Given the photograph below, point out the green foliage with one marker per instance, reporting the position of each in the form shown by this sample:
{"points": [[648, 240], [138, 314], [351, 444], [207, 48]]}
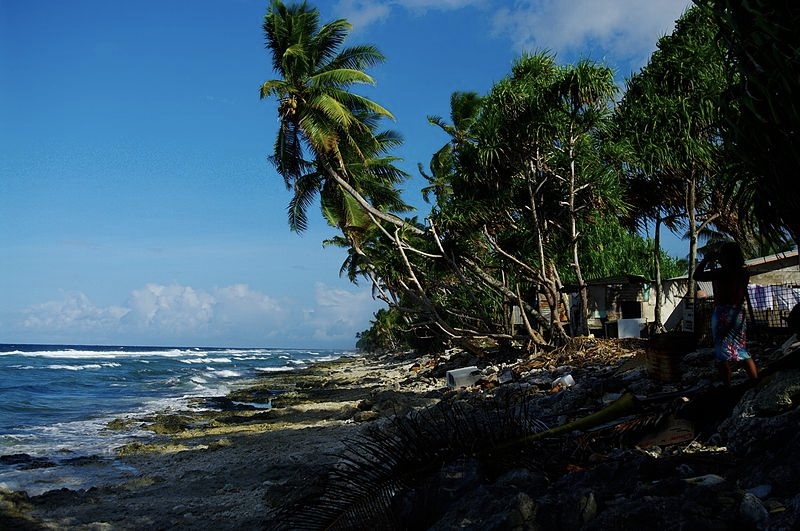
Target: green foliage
{"points": [[543, 180], [612, 250], [383, 332], [669, 120]]}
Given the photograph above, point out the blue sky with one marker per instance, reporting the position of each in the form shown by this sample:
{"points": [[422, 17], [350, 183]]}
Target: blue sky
{"points": [[137, 205]]}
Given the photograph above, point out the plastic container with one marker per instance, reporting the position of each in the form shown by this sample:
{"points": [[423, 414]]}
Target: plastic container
{"points": [[463, 377], [565, 381]]}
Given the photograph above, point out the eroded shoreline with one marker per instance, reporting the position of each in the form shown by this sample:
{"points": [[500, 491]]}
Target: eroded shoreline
{"points": [[222, 467]]}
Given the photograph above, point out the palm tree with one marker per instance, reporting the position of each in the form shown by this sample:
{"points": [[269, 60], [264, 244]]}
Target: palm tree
{"points": [[324, 127], [465, 109], [328, 144]]}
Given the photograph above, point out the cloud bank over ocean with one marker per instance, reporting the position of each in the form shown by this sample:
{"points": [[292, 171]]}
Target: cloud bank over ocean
{"points": [[181, 315]]}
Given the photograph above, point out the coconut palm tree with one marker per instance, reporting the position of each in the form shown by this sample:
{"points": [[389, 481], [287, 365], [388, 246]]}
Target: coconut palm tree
{"points": [[324, 126]]}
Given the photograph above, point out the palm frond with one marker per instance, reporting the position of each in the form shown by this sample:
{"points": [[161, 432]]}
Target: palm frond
{"points": [[391, 476], [305, 191]]}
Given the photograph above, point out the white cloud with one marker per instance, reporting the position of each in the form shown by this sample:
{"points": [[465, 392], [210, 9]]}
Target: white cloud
{"points": [[339, 313], [241, 311], [441, 5], [626, 30], [73, 311], [176, 309], [361, 13], [619, 31], [235, 315]]}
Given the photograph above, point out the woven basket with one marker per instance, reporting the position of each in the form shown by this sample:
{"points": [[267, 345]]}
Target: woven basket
{"points": [[665, 352]]}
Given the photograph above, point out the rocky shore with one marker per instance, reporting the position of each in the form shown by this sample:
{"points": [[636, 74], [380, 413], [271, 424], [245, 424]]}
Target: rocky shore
{"points": [[588, 436]]}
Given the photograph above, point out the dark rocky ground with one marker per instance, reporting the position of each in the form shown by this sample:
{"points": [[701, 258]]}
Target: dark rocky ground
{"points": [[689, 454]]}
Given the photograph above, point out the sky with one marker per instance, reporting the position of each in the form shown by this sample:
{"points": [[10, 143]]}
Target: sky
{"points": [[137, 204]]}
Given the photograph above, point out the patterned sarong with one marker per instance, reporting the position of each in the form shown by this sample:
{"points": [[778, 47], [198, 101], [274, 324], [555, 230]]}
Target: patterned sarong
{"points": [[729, 329]]}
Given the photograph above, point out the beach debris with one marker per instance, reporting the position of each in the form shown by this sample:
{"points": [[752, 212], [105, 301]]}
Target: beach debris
{"points": [[705, 480], [675, 431], [563, 382], [463, 377]]}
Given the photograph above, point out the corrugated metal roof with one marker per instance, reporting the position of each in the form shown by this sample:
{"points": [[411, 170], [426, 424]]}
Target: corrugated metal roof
{"points": [[773, 262], [763, 264], [619, 279], [608, 281]]}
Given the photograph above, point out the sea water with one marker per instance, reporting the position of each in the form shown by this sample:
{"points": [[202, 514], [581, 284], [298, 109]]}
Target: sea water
{"points": [[56, 400]]}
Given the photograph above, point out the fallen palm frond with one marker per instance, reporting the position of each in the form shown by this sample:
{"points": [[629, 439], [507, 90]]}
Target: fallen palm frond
{"points": [[399, 475]]}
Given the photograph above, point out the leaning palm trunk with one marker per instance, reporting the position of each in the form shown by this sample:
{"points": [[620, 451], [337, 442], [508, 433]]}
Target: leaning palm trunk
{"points": [[389, 218]]}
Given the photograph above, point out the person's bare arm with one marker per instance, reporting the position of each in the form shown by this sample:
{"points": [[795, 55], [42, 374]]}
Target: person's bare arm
{"points": [[700, 272]]}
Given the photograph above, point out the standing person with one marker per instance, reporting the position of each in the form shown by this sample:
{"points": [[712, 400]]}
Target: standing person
{"points": [[729, 278]]}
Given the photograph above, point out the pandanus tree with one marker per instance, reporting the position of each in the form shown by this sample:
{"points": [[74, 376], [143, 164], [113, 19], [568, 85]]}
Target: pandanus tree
{"points": [[584, 95], [463, 211], [513, 161], [671, 118], [536, 171]]}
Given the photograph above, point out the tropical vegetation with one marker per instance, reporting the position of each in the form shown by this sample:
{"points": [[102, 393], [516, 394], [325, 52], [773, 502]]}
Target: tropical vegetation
{"points": [[546, 181]]}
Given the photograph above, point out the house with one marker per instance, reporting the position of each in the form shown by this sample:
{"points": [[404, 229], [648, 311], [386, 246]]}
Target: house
{"points": [[619, 306], [624, 305]]}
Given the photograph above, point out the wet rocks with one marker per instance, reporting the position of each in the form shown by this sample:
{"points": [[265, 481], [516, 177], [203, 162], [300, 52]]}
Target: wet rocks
{"points": [[26, 462]]}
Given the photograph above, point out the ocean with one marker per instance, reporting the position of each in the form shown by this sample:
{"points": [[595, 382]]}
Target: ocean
{"points": [[56, 400]]}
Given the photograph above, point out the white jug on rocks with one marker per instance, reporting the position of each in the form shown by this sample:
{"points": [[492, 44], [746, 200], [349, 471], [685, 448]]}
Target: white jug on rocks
{"points": [[463, 377]]}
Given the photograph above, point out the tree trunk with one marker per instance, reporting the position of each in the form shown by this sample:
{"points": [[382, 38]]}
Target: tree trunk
{"points": [[658, 325]]}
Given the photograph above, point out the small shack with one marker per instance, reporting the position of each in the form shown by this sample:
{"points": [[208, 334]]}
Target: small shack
{"points": [[623, 305], [619, 306]]}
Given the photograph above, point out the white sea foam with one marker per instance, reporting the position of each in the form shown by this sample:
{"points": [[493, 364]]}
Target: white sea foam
{"points": [[256, 405], [98, 384], [190, 361], [57, 367], [227, 374], [269, 369], [92, 354]]}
